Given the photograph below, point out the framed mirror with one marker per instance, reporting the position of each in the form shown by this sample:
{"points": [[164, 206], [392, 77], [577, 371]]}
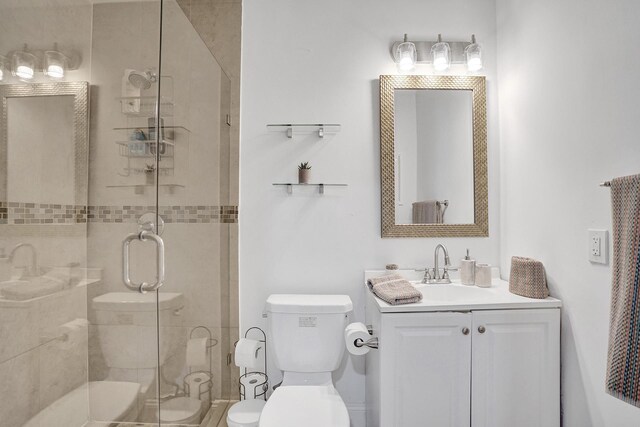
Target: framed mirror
{"points": [[44, 138], [433, 156]]}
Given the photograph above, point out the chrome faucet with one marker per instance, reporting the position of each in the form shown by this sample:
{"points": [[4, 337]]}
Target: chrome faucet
{"points": [[33, 268], [435, 278], [447, 264]]}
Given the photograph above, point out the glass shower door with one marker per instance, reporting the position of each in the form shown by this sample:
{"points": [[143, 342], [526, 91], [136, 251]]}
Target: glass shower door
{"points": [[193, 191], [124, 231]]}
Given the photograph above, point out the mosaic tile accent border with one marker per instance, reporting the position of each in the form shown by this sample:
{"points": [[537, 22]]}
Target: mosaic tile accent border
{"points": [[42, 213], [170, 214]]}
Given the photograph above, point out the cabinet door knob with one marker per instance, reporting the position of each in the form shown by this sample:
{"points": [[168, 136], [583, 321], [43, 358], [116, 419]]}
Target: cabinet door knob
{"points": [[465, 331], [481, 329]]}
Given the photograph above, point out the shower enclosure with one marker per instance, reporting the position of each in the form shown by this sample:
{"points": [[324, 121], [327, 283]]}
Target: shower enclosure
{"points": [[116, 215]]}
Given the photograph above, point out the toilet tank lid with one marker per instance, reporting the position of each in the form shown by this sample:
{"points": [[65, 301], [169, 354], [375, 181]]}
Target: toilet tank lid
{"points": [[293, 303]]}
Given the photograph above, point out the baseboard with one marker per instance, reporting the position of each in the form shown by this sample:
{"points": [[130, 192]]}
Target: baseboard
{"points": [[358, 414]]}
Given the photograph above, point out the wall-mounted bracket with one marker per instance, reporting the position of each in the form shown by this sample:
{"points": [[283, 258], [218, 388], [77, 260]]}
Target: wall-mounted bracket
{"points": [[290, 128]]}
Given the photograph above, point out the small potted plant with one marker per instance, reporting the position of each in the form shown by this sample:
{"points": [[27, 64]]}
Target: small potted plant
{"points": [[303, 173]]}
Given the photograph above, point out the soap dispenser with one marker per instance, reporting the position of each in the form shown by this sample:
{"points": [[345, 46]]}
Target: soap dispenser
{"points": [[468, 270]]}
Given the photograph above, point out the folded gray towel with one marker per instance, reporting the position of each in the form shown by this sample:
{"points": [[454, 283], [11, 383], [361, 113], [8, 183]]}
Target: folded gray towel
{"points": [[394, 289], [386, 278]]}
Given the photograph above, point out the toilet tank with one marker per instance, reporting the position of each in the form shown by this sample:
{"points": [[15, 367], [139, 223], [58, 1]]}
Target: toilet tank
{"points": [[306, 332], [126, 326]]}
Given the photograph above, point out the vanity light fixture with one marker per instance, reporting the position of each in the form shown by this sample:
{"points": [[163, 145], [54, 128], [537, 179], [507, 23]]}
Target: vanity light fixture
{"points": [[23, 65], [473, 55], [3, 67], [438, 53], [55, 63], [441, 53], [406, 55]]}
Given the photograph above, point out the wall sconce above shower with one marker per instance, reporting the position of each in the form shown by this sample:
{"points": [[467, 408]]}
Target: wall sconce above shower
{"points": [[24, 64], [440, 54]]}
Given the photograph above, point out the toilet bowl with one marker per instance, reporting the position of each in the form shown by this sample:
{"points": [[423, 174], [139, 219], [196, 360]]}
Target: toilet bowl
{"points": [[308, 406], [97, 403], [181, 410], [306, 332], [245, 413]]}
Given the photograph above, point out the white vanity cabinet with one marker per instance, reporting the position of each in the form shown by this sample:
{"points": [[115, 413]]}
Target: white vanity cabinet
{"points": [[477, 367]]}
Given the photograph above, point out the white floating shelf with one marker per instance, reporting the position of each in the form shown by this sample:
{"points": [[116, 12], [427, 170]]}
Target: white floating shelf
{"points": [[320, 186], [290, 128]]}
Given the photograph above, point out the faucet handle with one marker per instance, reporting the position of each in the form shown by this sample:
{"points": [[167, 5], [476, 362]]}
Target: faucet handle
{"points": [[427, 274]]}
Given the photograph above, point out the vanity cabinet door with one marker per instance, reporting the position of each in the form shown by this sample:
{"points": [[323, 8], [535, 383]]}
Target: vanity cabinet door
{"points": [[425, 369], [516, 368]]}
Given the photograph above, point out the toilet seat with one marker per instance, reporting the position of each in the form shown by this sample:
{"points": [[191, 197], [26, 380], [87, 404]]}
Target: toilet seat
{"points": [[308, 406], [245, 413], [181, 410]]}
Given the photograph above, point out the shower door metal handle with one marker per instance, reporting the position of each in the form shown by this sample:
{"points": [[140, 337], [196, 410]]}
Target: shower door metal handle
{"points": [[142, 236]]}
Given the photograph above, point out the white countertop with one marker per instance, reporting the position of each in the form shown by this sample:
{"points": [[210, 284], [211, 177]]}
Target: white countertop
{"points": [[457, 297]]}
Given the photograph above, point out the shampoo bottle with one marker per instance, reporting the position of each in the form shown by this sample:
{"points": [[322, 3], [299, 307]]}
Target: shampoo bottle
{"points": [[468, 270]]}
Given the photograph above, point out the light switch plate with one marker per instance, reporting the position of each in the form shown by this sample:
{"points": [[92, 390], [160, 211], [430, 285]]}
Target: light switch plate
{"points": [[598, 246]]}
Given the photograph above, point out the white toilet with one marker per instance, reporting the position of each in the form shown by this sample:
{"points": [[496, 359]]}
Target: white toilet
{"points": [[306, 335], [126, 327]]}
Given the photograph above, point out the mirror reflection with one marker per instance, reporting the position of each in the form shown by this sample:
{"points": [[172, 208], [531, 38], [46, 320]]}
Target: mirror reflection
{"points": [[41, 125], [433, 149]]}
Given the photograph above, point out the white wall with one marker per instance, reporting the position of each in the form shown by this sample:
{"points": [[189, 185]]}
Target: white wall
{"points": [[568, 77], [307, 62]]}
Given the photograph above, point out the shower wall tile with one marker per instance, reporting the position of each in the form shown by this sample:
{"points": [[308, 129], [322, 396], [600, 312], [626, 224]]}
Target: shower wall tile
{"points": [[63, 365], [19, 213], [18, 331], [43, 352], [170, 214], [41, 213], [219, 25], [19, 384], [234, 286]]}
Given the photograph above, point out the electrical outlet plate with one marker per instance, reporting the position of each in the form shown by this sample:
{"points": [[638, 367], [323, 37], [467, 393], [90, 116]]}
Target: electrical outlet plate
{"points": [[598, 246]]}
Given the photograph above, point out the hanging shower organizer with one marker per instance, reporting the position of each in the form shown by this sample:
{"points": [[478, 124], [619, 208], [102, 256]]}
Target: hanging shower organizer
{"points": [[202, 378], [259, 381], [137, 143]]}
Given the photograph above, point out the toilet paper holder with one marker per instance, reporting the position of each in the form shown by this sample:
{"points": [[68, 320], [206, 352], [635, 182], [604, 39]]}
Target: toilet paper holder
{"points": [[371, 342], [260, 386], [212, 342]]}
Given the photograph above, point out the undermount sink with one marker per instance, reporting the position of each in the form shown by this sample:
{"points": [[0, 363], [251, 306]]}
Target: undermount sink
{"points": [[20, 290], [453, 293]]}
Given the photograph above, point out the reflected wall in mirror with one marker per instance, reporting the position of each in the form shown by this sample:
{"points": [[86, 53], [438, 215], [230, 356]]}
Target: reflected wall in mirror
{"points": [[43, 152], [433, 156]]}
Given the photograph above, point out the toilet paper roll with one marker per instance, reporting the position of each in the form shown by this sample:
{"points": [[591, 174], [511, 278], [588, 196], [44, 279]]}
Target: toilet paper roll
{"points": [[251, 383], [197, 352], [355, 331], [247, 352], [198, 385]]}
